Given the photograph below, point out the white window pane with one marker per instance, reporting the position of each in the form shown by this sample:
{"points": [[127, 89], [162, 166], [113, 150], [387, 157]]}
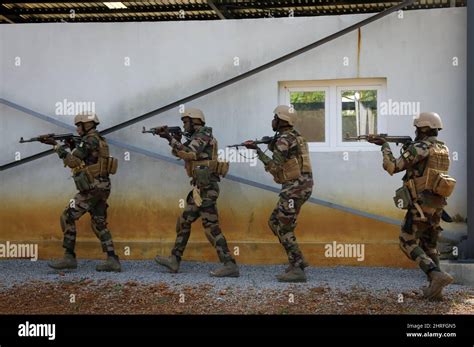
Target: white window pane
{"points": [[359, 112], [310, 108]]}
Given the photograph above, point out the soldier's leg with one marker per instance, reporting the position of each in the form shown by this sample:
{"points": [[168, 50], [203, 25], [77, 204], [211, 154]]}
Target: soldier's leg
{"points": [[429, 238], [283, 219], [183, 226], [210, 222], [98, 214], [99, 225], [412, 228], [76, 208]]}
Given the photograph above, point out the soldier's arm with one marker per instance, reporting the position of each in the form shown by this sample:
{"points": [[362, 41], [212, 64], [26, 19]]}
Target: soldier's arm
{"points": [[413, 154], [280, 154], [75, 158], [190, 151]]}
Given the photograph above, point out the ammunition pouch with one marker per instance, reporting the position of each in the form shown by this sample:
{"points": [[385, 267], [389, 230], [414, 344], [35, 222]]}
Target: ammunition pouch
{"points": [[220, 168], [290, 170], [103, 167], [202, 176], [84, 175], [112, 165], [402, 198], [83, 181], [437, 182], [213, 165], [444, 185]]}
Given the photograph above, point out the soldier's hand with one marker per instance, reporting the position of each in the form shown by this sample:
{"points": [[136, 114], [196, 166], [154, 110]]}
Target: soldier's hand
{"points": [[70, 143], [48, 141], [250, 144], [164, 133], [377, 140], [178, 137]]}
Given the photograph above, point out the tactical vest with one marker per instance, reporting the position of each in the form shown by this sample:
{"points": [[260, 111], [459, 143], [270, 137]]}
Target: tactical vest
{"points": [[105, 163], [435, 178], [303, 155], [213, 165], [296, 166]]}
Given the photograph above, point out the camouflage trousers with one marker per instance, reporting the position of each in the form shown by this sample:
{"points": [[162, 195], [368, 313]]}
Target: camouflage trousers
{"points": [[418, 238], [283, 218], [210, 221], [95, 202]]}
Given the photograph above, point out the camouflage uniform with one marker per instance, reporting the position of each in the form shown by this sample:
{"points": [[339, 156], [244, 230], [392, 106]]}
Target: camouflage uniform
{"points": [[199, 147], [293, 195], [418, 237], [93, 201]]}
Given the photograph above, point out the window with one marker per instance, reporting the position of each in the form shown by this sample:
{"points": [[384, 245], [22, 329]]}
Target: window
{"points": [[310, 106], [359, 112], [329, 111]]}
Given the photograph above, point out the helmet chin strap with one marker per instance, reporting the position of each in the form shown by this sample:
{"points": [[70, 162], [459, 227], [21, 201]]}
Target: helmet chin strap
{"points": [[86, 131]]}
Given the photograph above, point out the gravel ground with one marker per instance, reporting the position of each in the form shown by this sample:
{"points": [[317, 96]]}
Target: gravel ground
{"points": [[192, 273], [144, 287]]}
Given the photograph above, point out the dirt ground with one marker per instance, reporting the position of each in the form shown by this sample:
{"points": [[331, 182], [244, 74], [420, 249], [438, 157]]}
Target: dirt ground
{"points": [[90, 297]]}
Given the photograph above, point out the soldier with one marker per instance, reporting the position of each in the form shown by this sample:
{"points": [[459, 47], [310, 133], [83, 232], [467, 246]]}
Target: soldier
{"points": [[291, 167], [200, 156], [91, 166], [425, 188]]}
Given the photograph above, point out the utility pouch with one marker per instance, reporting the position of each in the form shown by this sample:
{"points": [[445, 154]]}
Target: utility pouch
{"points": [[197, 196], [83, 181], [431, 200], [112, 165], [222, 168], [290, 170], [402, 198], [202, 176], [444, 185]]}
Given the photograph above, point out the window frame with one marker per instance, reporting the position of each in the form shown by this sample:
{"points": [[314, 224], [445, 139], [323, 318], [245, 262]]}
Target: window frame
{"points": [[326, 107], [333, 118], [361, 144]]}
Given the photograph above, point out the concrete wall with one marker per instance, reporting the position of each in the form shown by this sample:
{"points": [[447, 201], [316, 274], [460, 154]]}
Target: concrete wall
{"points": [[170, 60]]}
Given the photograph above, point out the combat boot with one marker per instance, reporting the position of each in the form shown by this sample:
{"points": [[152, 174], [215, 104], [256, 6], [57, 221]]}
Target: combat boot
{"points": [[229, 269], [111, 264], [171, 262], [68, 262], [439, 280], [303, 265], [295, 274]]}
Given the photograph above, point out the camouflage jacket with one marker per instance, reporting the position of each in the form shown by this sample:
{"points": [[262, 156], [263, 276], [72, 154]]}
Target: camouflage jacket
{"points": [[284, 147], [198, 147], [412, 159], [87, 151]]}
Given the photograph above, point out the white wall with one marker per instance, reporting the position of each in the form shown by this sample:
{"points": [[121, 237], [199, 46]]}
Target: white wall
{"points": [[170, 60]]}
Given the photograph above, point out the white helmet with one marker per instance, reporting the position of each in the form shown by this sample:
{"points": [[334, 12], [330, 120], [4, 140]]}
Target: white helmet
{"points": [[285, 113], [193, 113], [428, 119], [86, 117]]}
